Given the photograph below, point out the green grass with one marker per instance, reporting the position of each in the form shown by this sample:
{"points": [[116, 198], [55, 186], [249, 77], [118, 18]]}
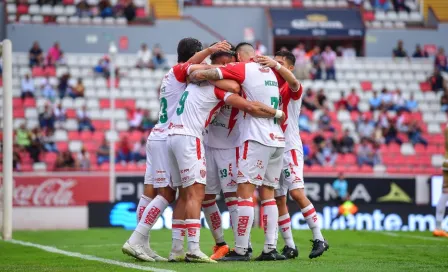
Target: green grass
{"points": [[349, 251]]}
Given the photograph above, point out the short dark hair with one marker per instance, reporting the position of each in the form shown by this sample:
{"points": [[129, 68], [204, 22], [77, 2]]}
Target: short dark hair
{"points": [[186, 49], [241, 44], [286, 54], [219, 54]]}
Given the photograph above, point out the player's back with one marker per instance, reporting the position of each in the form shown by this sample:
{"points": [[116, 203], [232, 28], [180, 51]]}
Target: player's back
{"points": [[291, 103], [171, 89], [223, 132]]}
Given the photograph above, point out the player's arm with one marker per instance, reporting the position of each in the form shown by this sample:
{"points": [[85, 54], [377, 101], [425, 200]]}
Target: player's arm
{"points": [[200, 56], [227, 85], [287, 75], [201, 75], [234, 71], [254, 108]]}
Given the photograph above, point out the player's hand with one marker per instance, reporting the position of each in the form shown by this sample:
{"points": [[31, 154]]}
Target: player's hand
{"points": [[266, 61], [282, 119], [220, 46]]}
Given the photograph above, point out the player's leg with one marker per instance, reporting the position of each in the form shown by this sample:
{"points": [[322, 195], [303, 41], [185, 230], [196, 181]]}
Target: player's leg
{"points": [[290, 250], [441, 207], [149, 192], [271, 182]]}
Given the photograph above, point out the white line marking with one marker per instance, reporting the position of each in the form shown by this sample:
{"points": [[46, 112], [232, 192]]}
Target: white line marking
{"points": [[88, 257], [413, 236]]}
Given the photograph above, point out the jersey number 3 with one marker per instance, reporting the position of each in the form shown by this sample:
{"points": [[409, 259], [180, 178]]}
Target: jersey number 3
{"points": [[182, 100], [163, 114]]}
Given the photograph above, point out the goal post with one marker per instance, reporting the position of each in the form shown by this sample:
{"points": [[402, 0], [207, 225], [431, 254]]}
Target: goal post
{"points": [[7, 140]]}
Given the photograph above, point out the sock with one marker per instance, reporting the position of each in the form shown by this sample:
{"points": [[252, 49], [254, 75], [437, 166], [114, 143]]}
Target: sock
{"points": [[152, 212], [244, 225], [144, 201], [309, 213], [270, 219], [284, 224], [440, 210], [194, 232], [214, 221], [178, 235], [232, 206]]}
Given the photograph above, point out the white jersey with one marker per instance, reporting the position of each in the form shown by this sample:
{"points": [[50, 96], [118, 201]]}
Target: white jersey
{"points": [[173, 85], [291, 101], [196, 109], [223, 132], [259, 84]]}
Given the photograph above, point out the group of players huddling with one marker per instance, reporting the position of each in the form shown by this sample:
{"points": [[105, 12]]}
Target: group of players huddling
{"points": [[220, 128]]}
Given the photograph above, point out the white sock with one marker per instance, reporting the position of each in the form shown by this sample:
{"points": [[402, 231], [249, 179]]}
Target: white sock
{"points": [[244, 225], [214, 221], [232, 206], [284, 224], [178, 235], [309, 213], [152, 212], [270, 221], [144, 201], [194, 233], [440, 210]]}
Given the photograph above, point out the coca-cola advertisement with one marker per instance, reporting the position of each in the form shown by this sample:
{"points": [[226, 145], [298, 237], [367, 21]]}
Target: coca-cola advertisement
{"points": [[59, 191]]}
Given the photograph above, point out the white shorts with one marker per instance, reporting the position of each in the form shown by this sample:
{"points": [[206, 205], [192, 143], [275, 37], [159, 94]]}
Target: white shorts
{"points": [[260, 164], [292, 173], [222, 168], [187, 160], [157, 166]]}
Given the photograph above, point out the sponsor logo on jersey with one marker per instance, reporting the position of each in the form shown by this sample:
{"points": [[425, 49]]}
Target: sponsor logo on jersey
{"points": [[152, 215], [184, 171], [203, 173], [160, 171], [240, 175], [271, 83], [158, 130], [171, 125], [260, 164], [264, 70], [159, 180], [243, 221], [275, 137], [232, 183]]}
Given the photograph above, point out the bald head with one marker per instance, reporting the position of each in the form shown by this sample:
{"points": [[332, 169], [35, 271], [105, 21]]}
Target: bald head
{"points": [[244, 52]]}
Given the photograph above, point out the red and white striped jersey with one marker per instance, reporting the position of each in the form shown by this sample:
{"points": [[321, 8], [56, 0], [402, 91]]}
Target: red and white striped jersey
{"points": [[173, 85], [291, 102], [258, 84], [223, 132], [196, 108]]}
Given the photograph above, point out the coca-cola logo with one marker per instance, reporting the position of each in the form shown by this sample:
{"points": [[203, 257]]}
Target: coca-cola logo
{"points": [[51, 192]]}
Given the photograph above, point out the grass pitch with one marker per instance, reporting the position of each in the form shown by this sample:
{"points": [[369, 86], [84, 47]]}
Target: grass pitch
{"points": [[349, 251]]}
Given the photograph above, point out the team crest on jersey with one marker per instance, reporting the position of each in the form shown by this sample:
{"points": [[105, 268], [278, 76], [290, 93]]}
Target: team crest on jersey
{"points": [[260, 164], [271, 135], [203, 173]]}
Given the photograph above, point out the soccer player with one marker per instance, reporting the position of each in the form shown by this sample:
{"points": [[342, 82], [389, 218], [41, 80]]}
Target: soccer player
{"points": [[261, 160], [196, 109], [292, 173], [157, 192], [441, 205]]}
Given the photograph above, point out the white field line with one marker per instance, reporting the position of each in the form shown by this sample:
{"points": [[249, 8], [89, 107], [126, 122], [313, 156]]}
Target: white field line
{"points": [[88, 257], [393, 234]]}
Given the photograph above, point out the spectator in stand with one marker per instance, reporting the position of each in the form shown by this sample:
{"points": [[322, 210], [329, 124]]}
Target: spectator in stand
{"points": [[400, 5], [316, 61], [419, 53], [375, 102], [49, 141], [348, 52], [147, 123], [321, 99], [378, 137], [347, 144], [353, 101], [62, 61], [36, 56], [36, 145], [158, 59], [398, 101], [260, 49], [63, 86], [399, 51], [304, 123], [382, 4], [309, 100], [366, 154], [65, 161], [440, 61], [60, 115], [23, 140], [136, 119], [319, 140], [391, 134], [84, 121], [47, 89], [386, 99], [83, 9], [105, 9], [415, 134], [124, 150], [16, 158], [144, 57], [340, 185], [436, 80], [53, 54], [46, 117], [326, 156], [306, 154], [27, 87], [130, 10], [329, 58], [77, 90], [444, 101], [402, 121], [411, 103], [336, 142], [301, 65], [102, 154], [383, 119], [139, 150], [83, 160], [342, 102], [325, 121], [366, 128]]}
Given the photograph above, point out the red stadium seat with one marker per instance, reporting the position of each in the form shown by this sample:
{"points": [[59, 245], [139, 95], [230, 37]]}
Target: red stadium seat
{"points": [[119, 167], [98, 136], [425, 86], [91, 146], [62, 146], [22, 9], [366, 85], [104, 166], [27, 167], [18, 112], [132, 167], [207, 2], [140, 13], [38, 72], [50, 71], [74, 136], [71, 113], [68, 2], [369, 16], [297, 3], [29, 103]]}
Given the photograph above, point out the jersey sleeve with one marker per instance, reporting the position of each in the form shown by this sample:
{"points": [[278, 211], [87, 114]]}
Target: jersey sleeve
{"points": [[296, 94], [221, 94], [280, 79], [235, 71], [181, 71]]}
